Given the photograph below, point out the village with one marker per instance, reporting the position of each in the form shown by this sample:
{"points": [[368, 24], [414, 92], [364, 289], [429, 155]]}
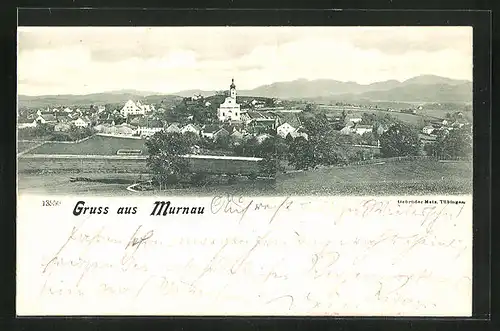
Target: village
{"points": [[222, 120]]}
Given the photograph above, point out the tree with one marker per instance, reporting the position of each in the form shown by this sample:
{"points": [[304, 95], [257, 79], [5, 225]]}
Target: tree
{"points": [[281, 147], [191, 138], [400, 140], [369, 138], [317, 124], [165, 161], [301, 154], [223, 142], [247, 148], [43, 129], [456, 143]]}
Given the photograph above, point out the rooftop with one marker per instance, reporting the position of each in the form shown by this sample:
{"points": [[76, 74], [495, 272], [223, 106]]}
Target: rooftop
{"points": [[219, 157]]}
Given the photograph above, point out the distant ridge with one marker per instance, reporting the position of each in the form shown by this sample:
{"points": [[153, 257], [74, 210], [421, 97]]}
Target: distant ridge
{"points": [[423, 88]]}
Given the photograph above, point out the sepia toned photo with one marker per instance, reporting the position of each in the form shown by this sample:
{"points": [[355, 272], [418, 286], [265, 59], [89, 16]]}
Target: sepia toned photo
{"points": [[138, 111]]}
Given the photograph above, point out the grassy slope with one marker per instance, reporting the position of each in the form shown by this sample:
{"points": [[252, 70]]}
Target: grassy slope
{"points": [[404, 177]]}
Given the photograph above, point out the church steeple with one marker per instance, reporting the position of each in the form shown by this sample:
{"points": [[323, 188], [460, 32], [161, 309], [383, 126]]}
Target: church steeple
{"points": [[232, 89]]}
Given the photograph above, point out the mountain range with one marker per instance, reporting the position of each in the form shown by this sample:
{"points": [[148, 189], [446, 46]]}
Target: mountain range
{"points": [[424, 88]]}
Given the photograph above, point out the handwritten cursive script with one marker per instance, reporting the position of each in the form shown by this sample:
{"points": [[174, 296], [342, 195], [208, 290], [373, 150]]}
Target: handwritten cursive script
{"points": [[373, 257]]}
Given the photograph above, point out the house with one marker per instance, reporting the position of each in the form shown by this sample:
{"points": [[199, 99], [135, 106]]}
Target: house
{"points": [[352, 119], [63, 118], [191, 128], [347, 130], [173, 128], [208, 104], [144, 108], [102, 127], [26, 123], [258, 104], [229, 128], [362, 129], [137, 121], [130, 108], [284, 129], [147, 128], [68, 110], [256, 118], [220, 133], [208, 131], [428, 129], [81, 122], [101, 108], [62, 127], [230, 110], [46, 119]]}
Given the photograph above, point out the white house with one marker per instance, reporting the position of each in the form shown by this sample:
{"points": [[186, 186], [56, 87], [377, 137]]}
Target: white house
{"points": [[355, 119], [209, 131], [284, 129], [145, 108], [101, 108], [362, 129], [68, 110], [81, 123], [191, 128], [148, 128], [173, 128], [347, 130], [130, 108], [258, 104], [428, 129], [230, 109], [46, 119], [26, 123]]}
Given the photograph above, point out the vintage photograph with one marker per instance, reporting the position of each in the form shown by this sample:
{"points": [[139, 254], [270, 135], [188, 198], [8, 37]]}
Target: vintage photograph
{"points": [[271, 111]]}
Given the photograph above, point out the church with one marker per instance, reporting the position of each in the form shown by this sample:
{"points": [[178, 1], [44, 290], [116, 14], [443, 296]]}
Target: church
{"points": [[230, 109]]}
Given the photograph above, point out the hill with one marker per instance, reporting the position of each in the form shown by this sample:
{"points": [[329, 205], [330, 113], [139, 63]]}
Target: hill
{"points": [[459, 93], [116, 97], [425, 88]]}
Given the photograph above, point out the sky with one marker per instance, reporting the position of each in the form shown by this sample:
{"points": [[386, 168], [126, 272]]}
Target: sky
{"points": [[83, 60]]}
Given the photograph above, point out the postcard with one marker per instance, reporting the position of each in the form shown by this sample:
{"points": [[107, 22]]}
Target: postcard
{"points": [[244, 171]]}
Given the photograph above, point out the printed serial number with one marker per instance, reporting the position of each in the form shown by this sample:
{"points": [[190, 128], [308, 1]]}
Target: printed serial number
{"points": [[51, 203]]}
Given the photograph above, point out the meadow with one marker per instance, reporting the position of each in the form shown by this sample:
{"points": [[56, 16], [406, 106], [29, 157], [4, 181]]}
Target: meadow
{"points": [[95, 145], [417, 177]]}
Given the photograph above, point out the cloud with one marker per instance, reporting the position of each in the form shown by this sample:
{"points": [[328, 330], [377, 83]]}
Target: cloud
{"points": [[94, 59], [407, 39]]}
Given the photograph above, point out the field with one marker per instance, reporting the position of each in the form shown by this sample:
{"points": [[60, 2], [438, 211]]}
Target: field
{"points": [[405, 117], [394, 178], [421, 177], [96, 145], [22, 145]]}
